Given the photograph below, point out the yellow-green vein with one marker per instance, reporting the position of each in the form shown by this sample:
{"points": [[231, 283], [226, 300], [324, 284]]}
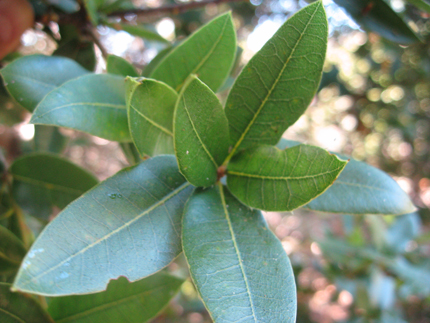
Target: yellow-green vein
{"points": [[49, 186]]}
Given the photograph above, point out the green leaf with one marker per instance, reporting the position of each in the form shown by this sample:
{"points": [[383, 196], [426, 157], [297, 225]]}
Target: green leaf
{"points": [[92, 103], [277, 85], [12, 251], [91, 7], [36, 190], [238, 266], [150, 107], [68, 6], [377, 16], [30, 78], [270, 179], [129, 225], [201, 133], [155, 61], [140, 301], [49, 139], [118, 65], [80, 51], [209, 53], [138, 31], [360, 189], [19, 308], [420, 4]]}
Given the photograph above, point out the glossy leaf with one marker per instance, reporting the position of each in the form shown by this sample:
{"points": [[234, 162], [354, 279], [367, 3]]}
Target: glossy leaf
{"points": [[377, 16], [201, 133], [139, 301], [118, 65], [277, 85], [19, 308], [37, 190], [139, 31], [81, 51], [238, 266], [150, 107], [92, 103], [30, 78], [270, 179], [12, 251], [360, 189], [129, 225], [209, 52]]}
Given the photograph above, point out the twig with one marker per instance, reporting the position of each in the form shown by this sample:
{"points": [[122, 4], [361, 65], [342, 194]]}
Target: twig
{"points": [[96, 40], [173, 9]]}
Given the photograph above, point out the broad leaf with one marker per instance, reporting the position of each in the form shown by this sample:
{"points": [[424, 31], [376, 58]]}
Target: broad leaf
{"points": [[421, 4], [81, 51], [118, 65], [139, 31], [150, 107], [361, 189], [238, 266], [19, 308], [30, 78], [41, 181], [92, 103], [276, 86], [140, 301], [270, 179], [12, 251], [91, 8], [377, 16], [155, 61], [201, 133], [129, 225], [209, 53]]}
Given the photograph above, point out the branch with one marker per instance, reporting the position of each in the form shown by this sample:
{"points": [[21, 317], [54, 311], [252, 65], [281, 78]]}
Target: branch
{"points": [[172, 9], [96, 41]]}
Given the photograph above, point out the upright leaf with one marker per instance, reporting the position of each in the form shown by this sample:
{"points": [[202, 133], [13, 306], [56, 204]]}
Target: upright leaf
{"points": [[270, 179], [41, 181], [138, 31], [92, 103], [19, 308], [238, 266], [140, 301], [150, 107], [361, 189], [118, 65], [209, 53], [129, 225], [201, 133], [81, 51], [12, 251], [29, 78], [421, 4], [377, 16], [155, 61], [276, 86]]}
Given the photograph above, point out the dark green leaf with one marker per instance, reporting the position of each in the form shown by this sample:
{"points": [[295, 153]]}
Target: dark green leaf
{"points": [[138, 31], [78, 50], [209, 53], [277, 85], [48, 138], [377, 16], [129, 225], [92, 103], [116, 5], [19, 308], [238, 266], [150, 106], [91, 7], [30, 78], [421, 4], [43, 180], [139, 301], [130, 152], [270, 179], [361, 189], [12, 251], [118, 65], [201, 133]]}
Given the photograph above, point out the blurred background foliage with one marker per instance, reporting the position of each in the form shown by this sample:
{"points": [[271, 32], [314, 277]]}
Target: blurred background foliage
{"points": [[373, 104]]}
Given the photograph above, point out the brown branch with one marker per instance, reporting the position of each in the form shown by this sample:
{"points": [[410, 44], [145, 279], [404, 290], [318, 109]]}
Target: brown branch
{"points": [[96, 41], [172, 9]]}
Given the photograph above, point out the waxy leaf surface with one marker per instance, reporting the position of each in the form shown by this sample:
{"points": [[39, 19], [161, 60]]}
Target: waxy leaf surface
{"points": [[150, 107], [12, 251], [18, 308], [209, 53], [92, 103], [29, 78], [270, 179], [238, 266], [135, 302], [118, 65], [41, 181], [277, 85], [129, 225], [360, 189], [201, 133]]}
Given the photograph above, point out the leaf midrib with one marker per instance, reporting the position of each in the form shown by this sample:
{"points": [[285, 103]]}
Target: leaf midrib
{"points": [[251, 123], [29, 79], [124, 226], [49, 186], [12, 315], [152, 121]]}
